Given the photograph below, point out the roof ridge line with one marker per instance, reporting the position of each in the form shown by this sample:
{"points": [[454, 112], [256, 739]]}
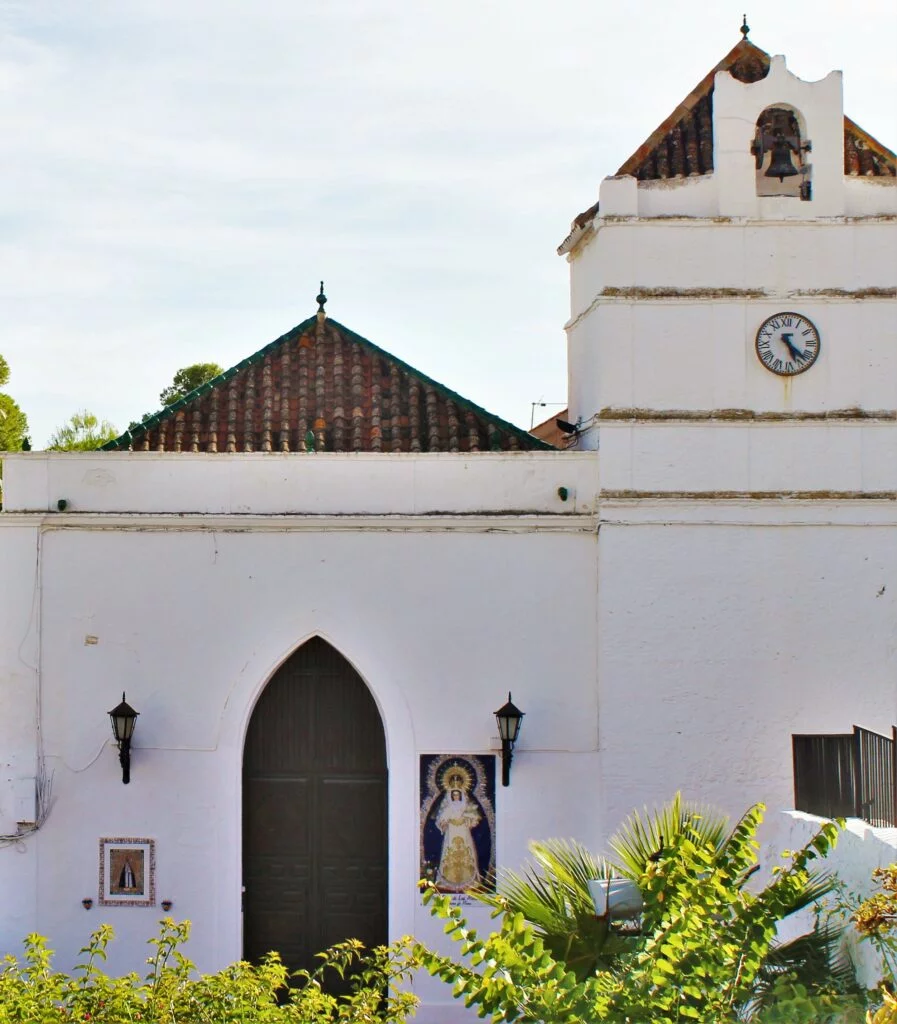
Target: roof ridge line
{"points": [[166, 411], [448, 392], [703, 87], [171, 410], [870, 140]]}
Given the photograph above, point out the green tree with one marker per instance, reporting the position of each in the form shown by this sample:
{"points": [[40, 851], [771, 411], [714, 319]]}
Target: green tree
{"points": [[83, 433], [13, 422], [13, 425], [188, 378]]}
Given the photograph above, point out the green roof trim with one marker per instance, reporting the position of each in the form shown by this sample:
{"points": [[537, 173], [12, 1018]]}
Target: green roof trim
{"points": [[124, 439], [453, 395]]}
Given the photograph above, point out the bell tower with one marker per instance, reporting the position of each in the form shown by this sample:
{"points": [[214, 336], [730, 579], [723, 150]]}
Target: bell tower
{"points": [[732, 352], [738, 270]]}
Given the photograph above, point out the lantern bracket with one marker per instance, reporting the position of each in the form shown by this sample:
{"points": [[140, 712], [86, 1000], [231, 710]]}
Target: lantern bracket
{"points": [[123, 718], [509, 719]]}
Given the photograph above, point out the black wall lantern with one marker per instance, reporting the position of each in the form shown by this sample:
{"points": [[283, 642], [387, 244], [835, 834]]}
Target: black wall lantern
{"points": [[123, 719], [508, 718]]}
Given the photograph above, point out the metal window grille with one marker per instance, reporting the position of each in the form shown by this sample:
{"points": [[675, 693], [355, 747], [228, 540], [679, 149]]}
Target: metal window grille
{"points": [[847, 775]]}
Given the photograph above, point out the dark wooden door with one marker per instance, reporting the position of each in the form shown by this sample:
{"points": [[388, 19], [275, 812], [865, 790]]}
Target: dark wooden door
{"points": [[314, 811]]}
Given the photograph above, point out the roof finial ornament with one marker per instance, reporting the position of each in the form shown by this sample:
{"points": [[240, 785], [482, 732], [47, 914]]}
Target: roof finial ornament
{"points": [[745, 28], [321, 299]]}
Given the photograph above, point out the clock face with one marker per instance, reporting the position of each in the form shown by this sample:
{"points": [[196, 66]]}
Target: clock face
{"points": [[788, 343]]}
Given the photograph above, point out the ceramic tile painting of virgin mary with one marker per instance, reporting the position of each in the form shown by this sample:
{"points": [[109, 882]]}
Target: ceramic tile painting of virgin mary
{"points": [[127, 872], [457, 821]]}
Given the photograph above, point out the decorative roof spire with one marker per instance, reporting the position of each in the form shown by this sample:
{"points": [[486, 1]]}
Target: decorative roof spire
{"points": [[321, 299], [745, 28]]}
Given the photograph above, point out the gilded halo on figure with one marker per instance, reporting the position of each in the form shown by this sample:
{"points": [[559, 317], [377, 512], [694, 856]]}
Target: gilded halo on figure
{"points": [[457, 821]]}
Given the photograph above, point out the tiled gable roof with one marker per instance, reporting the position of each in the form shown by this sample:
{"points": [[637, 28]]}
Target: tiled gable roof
{"points": [[548, 430], [321, 387], [865, 156], [682, 146]]}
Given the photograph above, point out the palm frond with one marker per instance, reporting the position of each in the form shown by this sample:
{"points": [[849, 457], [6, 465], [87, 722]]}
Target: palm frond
{"points": [[643, 835], [553, 889], [818, 960], [552, 893], [819, 884]]}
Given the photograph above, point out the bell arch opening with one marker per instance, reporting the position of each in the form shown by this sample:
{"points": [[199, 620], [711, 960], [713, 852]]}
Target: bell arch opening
{"points": [[780, 148], [314, 811]]}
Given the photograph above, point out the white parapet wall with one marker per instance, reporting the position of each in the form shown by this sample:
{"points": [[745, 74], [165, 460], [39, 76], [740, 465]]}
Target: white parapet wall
{"points": [[288, 484]]}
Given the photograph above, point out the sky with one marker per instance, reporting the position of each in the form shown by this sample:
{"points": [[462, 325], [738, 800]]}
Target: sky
{"points": [[179, 175]]}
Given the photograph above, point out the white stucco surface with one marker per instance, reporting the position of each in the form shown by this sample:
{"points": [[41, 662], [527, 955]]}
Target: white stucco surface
{"points": [[860, 849], [679, 340], [833, 458], [192, 614], [321, 484], [730, 637]]}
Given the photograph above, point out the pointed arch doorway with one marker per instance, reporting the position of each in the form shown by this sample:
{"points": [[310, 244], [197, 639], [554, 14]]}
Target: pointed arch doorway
{"points": [[314, 811]]}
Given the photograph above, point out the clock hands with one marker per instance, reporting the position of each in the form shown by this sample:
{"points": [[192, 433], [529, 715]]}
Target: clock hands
{"points": [[787, 343], [792, 348]]}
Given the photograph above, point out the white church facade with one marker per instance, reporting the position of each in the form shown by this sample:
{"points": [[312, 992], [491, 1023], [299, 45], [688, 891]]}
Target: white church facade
{"points": [[317, 577]]}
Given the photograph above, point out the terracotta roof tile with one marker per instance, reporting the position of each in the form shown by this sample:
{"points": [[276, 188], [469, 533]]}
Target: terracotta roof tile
{"points": [[683, 144], [321, 387], [865, 156], [548, 430]]}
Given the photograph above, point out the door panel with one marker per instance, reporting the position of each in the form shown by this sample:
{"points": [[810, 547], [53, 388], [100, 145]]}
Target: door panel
{"points": [[314, 811]]}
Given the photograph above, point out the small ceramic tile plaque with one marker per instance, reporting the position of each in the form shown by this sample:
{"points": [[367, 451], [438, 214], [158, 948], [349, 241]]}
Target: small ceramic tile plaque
{"points": [[127, 872]]}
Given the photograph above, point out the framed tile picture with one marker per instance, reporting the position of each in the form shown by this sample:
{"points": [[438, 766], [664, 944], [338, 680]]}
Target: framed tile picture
{"points": [[127, 872], [457, 822]]}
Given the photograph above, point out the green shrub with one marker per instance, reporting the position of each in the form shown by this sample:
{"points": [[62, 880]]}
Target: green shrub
{"points": [[173, 992], [886, 1013], [702, 951]]}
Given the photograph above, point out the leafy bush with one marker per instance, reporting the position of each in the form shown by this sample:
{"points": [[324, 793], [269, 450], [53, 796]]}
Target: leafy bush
{"points": [[700, 957], [886, 1013], [172, 992], [553, 895], [875, 919]]}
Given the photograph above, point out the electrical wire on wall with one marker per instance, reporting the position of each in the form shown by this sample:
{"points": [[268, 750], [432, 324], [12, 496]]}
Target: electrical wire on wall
{"points": [[43, 782], [43, 801]]}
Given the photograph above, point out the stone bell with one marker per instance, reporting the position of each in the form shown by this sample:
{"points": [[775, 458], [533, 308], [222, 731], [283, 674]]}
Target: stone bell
{"points": [[780, 165]]}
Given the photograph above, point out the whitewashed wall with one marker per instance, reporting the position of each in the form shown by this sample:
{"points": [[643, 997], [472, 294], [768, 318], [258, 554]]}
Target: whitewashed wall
{"points": [[825, 460], [666, 313], [728, 626], [859, 851], [440, 614], [19, 674], [272, 484]]}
